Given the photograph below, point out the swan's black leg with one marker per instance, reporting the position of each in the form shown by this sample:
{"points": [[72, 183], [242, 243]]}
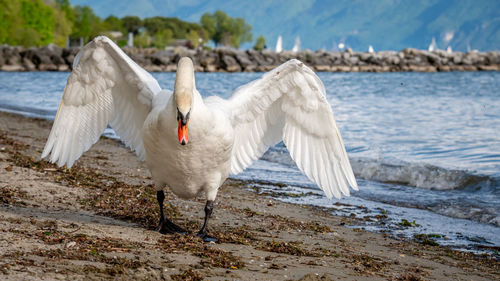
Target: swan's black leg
{"points": [[203, 233], [166, 225]]}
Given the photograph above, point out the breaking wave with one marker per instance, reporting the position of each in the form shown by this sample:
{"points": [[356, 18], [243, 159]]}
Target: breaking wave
{"points": [[419, 175]]}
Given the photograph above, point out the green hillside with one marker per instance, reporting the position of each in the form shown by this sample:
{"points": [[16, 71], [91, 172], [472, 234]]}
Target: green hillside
{"points": [[384, 24]]}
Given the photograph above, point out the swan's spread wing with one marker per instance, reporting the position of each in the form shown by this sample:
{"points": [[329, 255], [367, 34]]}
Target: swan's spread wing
{"points": [[289, 104], [105, 87]]}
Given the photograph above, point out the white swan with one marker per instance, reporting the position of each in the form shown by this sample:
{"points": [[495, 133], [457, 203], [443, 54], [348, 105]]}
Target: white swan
{"points": [[190, 144]]}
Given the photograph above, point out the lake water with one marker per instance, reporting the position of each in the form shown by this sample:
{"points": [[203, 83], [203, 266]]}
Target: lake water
{"points": [[424, 147]]}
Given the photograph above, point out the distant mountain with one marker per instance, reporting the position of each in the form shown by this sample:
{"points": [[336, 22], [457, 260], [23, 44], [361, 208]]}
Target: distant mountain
{"points": [[323, 24]]}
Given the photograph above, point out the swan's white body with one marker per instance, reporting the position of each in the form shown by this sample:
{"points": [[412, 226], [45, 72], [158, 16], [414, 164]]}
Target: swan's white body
{"points": [[204, 163], [225, 136]]}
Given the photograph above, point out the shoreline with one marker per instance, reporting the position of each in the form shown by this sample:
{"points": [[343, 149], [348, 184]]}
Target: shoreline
{"points": [[97, 221], [54, 58]]}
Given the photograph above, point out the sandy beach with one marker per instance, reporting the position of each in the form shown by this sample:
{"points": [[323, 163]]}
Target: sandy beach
{"points": [[97, 221]]}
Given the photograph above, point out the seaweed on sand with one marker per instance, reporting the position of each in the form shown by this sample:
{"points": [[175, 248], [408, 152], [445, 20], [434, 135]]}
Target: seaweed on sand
{"points": [[210, 256]]}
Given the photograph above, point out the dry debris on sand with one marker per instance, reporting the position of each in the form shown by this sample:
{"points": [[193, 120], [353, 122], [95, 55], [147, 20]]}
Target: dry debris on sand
{"points": [[97, 220]]}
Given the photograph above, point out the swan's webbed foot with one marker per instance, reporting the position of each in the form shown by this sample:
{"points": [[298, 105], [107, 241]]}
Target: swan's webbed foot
{"points": [[166, 225], [203, 233], [205, 237]]}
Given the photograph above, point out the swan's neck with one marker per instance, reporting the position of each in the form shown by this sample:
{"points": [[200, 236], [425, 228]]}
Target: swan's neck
{"points": [[184, 87]]}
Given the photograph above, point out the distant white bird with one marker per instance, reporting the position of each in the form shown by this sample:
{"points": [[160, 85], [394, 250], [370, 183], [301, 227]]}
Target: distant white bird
{"points": [[370, 49], [225, 136]]}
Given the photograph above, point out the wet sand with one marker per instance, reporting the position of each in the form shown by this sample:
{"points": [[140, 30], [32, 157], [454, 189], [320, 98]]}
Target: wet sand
{"points": [[97, 221]]}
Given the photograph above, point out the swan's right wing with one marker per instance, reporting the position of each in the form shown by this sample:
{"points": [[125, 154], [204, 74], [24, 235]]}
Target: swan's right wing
{"points": [[105, 87], [289, 103]]}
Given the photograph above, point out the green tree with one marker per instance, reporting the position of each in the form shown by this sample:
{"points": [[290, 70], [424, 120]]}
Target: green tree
{"points": [[162, 38], [64, 23], [40, 22], [9, 21], [155, 24], [195, 38], [225, 30], [173, 28], [241, 32], [66, 8], [260, 43], [87, 24], [38, 19], [142, 40], [26, 22], [113, 23], [132, 24], [217, 26]]}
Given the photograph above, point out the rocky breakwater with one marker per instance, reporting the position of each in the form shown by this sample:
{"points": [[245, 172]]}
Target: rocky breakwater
{"points": [[53, 58]]}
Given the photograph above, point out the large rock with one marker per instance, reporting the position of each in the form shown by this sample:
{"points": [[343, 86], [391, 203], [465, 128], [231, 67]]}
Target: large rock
{"points": [[63, 67], [171, 68], [11, 68], [394, 60], [244, 61], [492, 58], [28, 65], [161, 58], [52, 49], [69, 55], [229, 63], [433, 58], [257, 57], [489, 67], [140, 59], [457, 59], [341, 68], [288, 55], [210, 68], [322, 68], [424, 68], [153, 68], [183, 52], [335, 58], [207, 58], [37, 56], [57, 60], [47, 67], [365, 56], [272, 58], [354, 60], [346, 56], [11, 55]]}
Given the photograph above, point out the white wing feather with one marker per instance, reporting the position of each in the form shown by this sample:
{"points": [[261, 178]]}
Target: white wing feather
{"points": [[105, 87], [289, 104]]}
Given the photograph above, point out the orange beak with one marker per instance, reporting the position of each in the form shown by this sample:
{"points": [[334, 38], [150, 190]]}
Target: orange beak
{"points": [[182, 132]]}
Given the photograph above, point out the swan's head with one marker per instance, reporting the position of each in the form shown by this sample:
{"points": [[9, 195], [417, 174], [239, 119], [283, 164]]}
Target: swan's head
{"points": [[183, 96]]}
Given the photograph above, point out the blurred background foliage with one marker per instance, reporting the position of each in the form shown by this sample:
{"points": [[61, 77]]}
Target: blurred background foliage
{"points": [[41, 22]]}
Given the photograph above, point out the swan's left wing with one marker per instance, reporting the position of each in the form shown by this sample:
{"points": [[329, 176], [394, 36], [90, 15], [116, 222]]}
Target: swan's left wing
{"points": [[105, 87], [289, 103]]}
